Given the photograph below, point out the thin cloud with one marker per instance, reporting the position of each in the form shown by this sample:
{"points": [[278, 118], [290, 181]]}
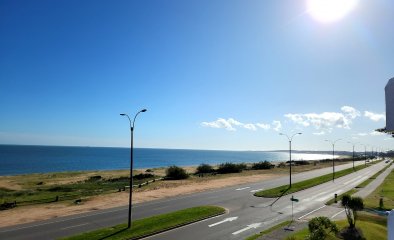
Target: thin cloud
{"points": [[276, 126], [231, 124], [326, 121], [374, 116]]}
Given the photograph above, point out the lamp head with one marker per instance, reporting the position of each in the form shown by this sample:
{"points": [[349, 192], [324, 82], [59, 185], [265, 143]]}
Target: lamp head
{"points": [[143, 110], [122, 114]]}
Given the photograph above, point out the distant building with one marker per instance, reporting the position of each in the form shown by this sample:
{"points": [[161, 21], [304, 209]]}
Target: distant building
{"points": [[389, 89]]}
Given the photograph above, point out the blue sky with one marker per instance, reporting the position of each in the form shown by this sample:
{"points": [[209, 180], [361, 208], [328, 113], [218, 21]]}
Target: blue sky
{"points": [[213, 74]]}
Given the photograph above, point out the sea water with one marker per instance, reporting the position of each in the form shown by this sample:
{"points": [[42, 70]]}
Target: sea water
{"points": [[19, 159]]}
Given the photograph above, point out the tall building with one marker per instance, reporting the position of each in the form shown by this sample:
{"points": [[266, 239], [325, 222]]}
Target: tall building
{"points": [[389, 89]]}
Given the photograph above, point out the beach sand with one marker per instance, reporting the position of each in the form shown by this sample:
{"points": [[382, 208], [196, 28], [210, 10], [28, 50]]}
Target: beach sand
{"points": [[162, 189]]}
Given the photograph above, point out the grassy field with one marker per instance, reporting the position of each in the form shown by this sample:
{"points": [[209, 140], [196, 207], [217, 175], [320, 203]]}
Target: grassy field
{"points": [[45, 188], [372, 226], [151, 225], [284, 190], [385, 191]]}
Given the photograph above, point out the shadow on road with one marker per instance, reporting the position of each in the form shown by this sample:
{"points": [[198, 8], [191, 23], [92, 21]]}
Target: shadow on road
{"points": [[113, 234], [283, 193]]}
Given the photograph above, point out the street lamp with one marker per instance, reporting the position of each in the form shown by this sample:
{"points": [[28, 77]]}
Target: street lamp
{"points": [[290, 139], [353, 151], [365, 153], [131, 161], [333, 155]]}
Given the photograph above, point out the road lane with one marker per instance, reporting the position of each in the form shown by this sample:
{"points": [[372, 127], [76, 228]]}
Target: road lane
{"points": [[237, 201]]}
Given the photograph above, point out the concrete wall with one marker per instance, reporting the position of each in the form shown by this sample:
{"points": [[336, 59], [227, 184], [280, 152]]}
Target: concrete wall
{"points": [[389, 89]]}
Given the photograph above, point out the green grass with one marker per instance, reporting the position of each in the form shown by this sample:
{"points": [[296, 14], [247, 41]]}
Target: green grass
{"points": [[42, 193], [372, 226], [385, 191], [258, 235], [284, 190], [151, 225], [369, 180]]}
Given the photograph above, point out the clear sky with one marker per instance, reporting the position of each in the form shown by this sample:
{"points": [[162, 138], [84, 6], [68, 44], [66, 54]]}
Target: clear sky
{"points": [[213, 74]]}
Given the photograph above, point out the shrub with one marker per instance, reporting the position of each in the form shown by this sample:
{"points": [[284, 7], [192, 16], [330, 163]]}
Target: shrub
{"points": [[262, 165], [231, 168], [204, 168], [320, 228], [143, 176], [176, 173], [281, 165]]}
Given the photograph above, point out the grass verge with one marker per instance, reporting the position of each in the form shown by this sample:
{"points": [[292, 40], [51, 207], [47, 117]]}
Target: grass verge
{"points": [[339, 197], [373, 227], [284, 189], [369, 180], [258, 235], [152, 225], [384, 191]]}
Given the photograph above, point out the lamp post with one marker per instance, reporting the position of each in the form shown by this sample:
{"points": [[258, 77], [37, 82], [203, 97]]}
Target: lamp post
{"points": [[290, 139], [333, 155], [131, 162], [353, 151], [365, 153]]}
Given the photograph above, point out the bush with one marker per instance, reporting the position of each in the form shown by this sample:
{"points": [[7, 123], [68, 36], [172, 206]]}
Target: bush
{"points": [[143, 176], [262, 165], [281, 165], [231, 168], [204, 168], [321, 228], [176, 173]]}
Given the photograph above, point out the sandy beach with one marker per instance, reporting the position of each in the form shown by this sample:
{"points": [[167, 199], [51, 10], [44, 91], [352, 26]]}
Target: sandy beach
{"points": [[162, 189]]}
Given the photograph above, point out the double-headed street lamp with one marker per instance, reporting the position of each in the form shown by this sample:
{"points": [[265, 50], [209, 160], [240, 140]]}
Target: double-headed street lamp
{"points": [[131, 161], [290, 139], [353, 151], [333, 156]]}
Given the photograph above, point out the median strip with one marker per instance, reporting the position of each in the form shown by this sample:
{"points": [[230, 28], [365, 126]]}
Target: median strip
{"points": [[152, 225], [285, 190]]}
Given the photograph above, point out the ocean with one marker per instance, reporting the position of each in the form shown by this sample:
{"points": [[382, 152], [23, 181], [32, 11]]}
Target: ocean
{"points": [[19, 159]]}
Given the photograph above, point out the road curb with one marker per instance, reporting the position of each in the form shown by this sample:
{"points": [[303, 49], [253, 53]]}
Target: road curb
{"points": [[178, 226]]}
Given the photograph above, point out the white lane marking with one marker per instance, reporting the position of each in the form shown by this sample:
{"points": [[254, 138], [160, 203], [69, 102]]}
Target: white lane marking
{"points": [[83, 224], [225, 220], [240, 189], [257, 190], [254, 225], [336, 214], [317, 209], [311, 198], [328, 196], [352, 180]]}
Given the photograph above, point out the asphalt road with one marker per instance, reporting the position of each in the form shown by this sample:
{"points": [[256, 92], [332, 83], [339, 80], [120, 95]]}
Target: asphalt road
{"points": [[247, 214]]}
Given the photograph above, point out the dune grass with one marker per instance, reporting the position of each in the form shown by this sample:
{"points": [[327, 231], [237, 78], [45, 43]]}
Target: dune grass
{"points": [[151, 225]]}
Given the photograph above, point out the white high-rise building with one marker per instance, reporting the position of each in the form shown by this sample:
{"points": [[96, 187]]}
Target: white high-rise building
{"points": [[389, 89]]}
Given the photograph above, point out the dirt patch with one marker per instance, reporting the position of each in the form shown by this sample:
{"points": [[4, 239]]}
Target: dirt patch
{"points": [[163, 190]]}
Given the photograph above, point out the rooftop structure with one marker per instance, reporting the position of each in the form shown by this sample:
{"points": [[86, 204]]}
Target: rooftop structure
{"points": [[389, 90]]}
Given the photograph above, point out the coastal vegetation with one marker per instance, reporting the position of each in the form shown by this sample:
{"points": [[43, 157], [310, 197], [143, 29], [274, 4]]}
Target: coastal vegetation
{"points": [[79, 187], [152, 225]]}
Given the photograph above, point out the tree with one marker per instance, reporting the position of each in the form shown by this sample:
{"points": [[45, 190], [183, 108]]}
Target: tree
{"points": [[204, 168], [352, 205], [320, 228]]}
